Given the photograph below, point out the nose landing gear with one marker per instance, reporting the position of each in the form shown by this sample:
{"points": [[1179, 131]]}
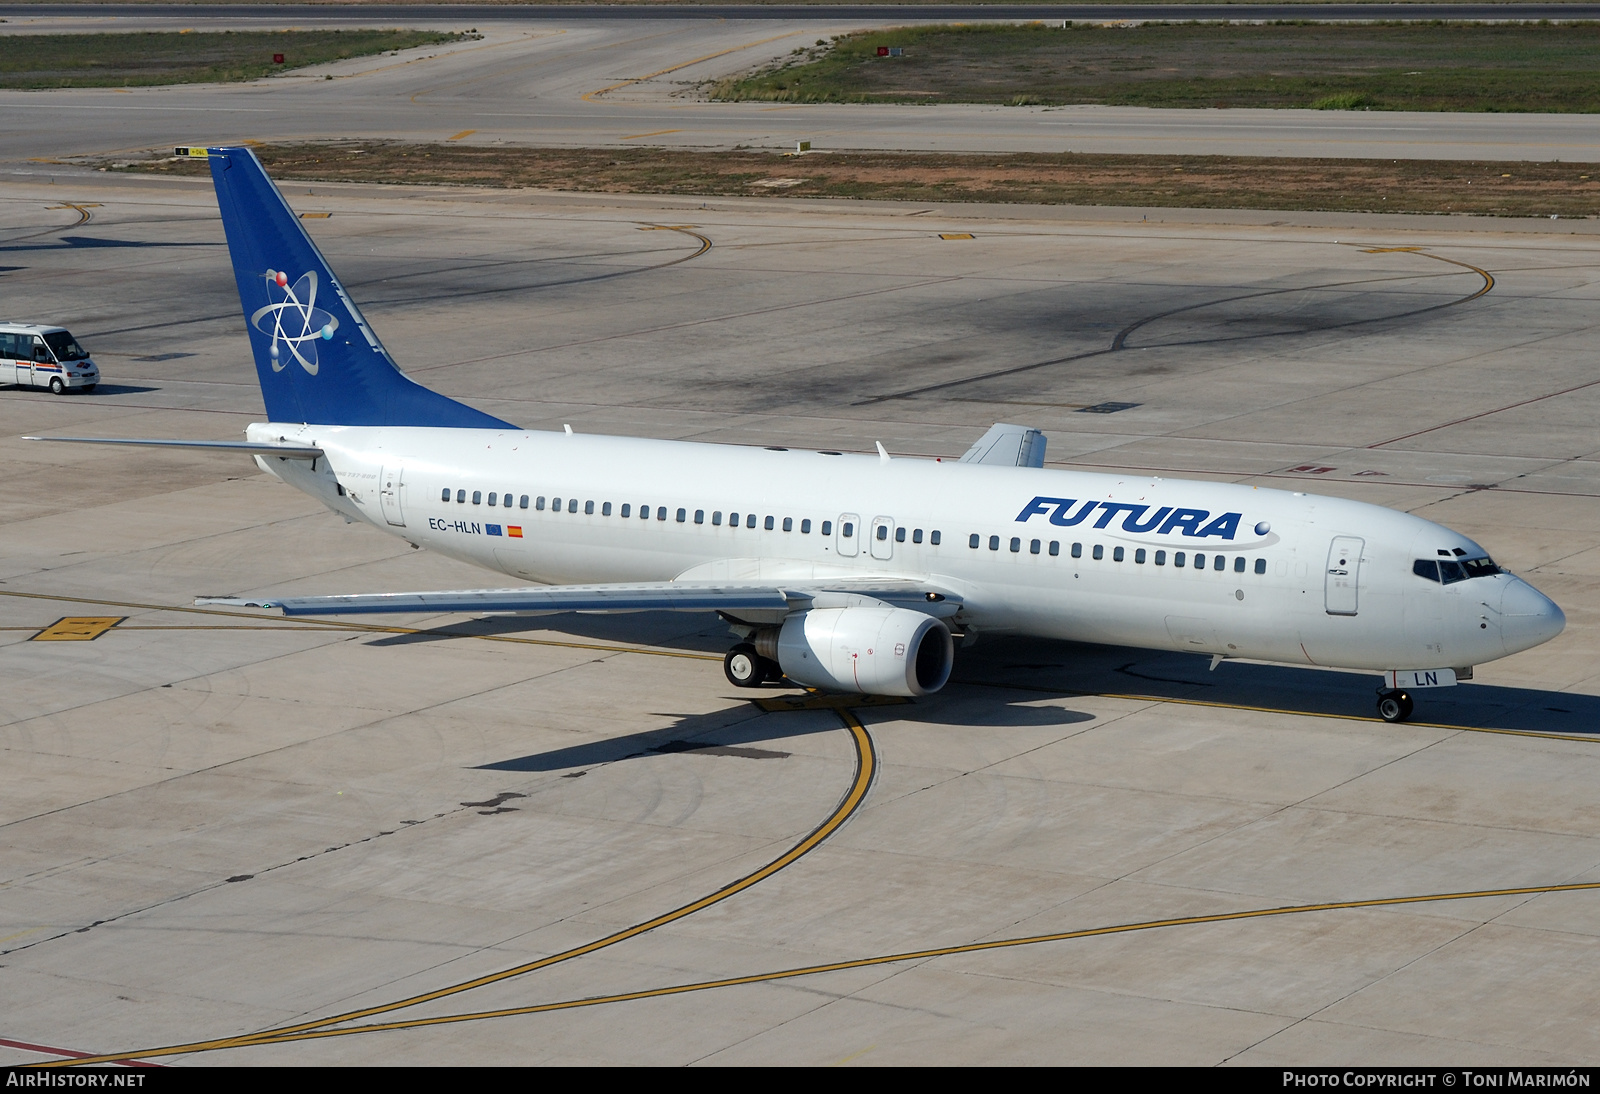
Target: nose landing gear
{"points": [[1393, 705]]}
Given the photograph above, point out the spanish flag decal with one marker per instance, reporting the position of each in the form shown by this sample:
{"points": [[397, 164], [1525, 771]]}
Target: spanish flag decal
{"points": [[514, 531]]}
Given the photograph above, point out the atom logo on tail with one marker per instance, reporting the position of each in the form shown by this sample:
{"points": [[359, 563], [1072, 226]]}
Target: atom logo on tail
{"points": [[296, 322]]}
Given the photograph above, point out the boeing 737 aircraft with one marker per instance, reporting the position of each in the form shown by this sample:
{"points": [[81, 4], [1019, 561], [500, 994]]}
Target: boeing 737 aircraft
{"points": [[837, 571]]}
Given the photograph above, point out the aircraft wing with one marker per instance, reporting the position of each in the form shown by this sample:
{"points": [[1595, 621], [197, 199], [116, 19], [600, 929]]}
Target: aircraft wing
{"points": [[672, 596], [1008, 446], [248, 448]]}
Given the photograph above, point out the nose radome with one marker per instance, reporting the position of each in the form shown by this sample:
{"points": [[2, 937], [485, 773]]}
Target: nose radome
{"points": [[1530, 617]]}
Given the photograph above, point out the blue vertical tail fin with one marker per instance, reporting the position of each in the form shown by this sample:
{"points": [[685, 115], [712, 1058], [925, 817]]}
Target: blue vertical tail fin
{"points": [[317, 359]]}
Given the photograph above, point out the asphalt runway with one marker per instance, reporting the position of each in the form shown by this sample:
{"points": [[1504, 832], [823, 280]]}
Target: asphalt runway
{"points": [[236, 838], [585, 81]]}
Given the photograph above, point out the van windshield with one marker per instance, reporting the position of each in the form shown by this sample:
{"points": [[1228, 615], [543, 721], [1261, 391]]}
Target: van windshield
{"points": [[64, 346]]}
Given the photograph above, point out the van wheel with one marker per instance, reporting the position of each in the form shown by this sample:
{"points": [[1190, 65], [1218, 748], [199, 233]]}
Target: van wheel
{"points": [[57, 387]]}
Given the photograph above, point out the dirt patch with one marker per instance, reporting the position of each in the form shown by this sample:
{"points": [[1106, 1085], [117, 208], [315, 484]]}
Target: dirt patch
{"points": [[1205, 182]]}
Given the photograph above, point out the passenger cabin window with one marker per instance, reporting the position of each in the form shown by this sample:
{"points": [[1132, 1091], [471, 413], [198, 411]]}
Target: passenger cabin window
{"points": [[768, 524], [572, 505], [1138, 556], [788, 524], [1016, 544], [699, 516], [507, 501], [994, 543], [1261, 565], [1161, 558], [555, 505], [1220, 563], [538, 503], [626, 510], [1055, 547], [477, 497], [1199, 561], [972, 541], [605, 510], [900, 535], [827, 527], [1034, 546], [644, 512], [661, 512], [716, 518], [494, 498], [1077, 550], [933, 538], [445, 495], [847, 529], [683, 515], [805, 527], [916, 537], [1099, 552], [883, 531], [461, 497], [750, 521], [1116, 554], [1177, 558]]}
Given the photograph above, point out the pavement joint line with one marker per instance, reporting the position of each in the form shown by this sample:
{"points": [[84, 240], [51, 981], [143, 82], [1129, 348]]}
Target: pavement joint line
{"points": [[1137, 698], [306, 623], [857, 963], [866, 768], [778, 703]]}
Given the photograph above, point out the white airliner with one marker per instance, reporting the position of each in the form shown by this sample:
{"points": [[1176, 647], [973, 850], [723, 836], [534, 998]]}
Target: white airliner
{"points": [[838, 571]]}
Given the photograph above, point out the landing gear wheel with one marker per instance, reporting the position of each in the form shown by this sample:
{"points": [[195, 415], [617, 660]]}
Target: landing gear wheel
{"points": [[56, 386], [1394, 706], [745, 668]]}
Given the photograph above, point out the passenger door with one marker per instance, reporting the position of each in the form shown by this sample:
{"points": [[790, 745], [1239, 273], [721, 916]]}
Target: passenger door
{"points": [[1343, 581], [848, 535], [882, 544]]}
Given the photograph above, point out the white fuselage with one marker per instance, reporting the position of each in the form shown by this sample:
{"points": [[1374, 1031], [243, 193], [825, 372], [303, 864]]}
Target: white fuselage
{"points": [[1303, 579]]}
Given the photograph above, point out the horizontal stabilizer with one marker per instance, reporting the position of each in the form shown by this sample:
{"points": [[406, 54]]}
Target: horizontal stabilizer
{"points": [[1008, 446], [248, 448]]}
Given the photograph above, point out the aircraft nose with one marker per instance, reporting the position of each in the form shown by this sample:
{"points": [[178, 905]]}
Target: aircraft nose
{"points": [[1529, 618]]}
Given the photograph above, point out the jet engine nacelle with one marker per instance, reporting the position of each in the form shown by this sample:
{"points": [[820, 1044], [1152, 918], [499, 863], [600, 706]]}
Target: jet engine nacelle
{"points": [[872, 650]]}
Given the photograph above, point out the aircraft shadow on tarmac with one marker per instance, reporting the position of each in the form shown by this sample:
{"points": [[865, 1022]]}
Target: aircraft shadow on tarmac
{"points": [[96, 243], [1037, 669], [739, 730]]}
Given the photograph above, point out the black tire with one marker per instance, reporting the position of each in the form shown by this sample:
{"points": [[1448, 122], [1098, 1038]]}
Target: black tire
{"points": [[744, 667], [1394, 706], [56, 386]]}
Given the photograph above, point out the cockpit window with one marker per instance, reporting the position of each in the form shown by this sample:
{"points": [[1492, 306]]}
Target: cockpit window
{"points": [[64, 346], [1449, 571]]}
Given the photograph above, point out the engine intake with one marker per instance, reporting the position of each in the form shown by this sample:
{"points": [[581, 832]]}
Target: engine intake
{"points": [[871, 650]]}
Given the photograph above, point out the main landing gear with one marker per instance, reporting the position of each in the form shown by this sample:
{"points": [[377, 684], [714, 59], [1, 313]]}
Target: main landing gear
{"points": [[1394, 706], [745, 668]]}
